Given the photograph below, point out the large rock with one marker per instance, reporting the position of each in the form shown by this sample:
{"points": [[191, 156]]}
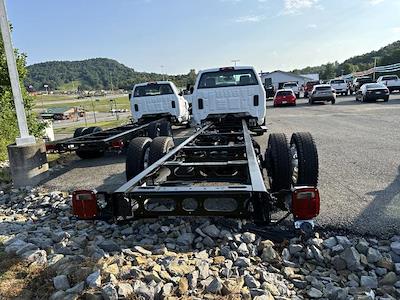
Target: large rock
{"points": [[232, 286], [373, 255], [389, 279], [109, 246], [125, 289], [369, 282], [251, 282], [109, 292], [94, 279], [215, 286], [179, 268], [352, 258], [35, 256], [61, 282], [15, 246], [211, 230], [395, 246], [269, 254], [314, 293]]}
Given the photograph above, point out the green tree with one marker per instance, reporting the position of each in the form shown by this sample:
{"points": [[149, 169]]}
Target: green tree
{"points": [[8, 118]]}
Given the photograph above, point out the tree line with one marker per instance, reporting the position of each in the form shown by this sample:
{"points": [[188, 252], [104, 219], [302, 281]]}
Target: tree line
{"points": [[94, 74], [387, 55]]}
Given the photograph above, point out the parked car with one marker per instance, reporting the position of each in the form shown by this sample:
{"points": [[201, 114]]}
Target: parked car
{"points": [[322, 93], [372, 92], [293, 86], [340, 86], [284, 96], [309, 87], [358, 82], [392, 82]]}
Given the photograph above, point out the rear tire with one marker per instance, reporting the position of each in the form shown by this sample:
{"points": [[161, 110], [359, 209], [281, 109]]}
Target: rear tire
{"points": [[159, 147], [386, 99], [165, 129], [137, 156], [89, 154], [78, 132], [153, 130], [278, 164], [333, 101], [304, 159]]}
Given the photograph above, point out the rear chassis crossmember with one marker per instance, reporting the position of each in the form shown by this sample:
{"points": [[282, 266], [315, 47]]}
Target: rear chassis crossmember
{"points": [[215, 172]]}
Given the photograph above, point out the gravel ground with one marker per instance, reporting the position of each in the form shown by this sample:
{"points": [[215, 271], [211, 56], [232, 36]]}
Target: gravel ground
{"points": [[359, 162]]}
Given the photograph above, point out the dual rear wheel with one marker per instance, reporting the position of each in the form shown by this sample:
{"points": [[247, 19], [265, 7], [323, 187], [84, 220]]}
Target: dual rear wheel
{"points": [[291, 164]]}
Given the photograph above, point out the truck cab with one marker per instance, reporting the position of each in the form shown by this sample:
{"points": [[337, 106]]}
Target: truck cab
{"points": [[233, 91], [339, 86], [392, 82], [153, 100], [292, 86]]}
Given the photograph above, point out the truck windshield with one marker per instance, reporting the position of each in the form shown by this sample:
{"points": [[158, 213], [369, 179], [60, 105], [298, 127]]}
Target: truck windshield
{"points": [[289, 85], [153, 89], [337, 81], [227, 78]]}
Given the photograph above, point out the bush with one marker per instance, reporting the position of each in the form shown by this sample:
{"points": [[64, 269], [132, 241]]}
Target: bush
{"points": [[8, 118]]}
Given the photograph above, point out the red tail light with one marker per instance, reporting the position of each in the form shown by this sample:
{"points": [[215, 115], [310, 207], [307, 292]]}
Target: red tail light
{"points": [[50, 147], [84, 204], [117, 144], [305, 203]]}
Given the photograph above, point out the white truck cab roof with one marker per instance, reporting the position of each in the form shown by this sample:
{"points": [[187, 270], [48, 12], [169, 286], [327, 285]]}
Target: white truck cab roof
{"points": [[158, 99], [236, 91]]}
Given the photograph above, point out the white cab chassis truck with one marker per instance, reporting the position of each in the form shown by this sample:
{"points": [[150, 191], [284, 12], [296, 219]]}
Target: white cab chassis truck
{"points": [[219, 169], [161, 99]]}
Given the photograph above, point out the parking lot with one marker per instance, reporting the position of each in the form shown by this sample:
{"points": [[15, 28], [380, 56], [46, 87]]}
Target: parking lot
{"points": [[359, 158]]}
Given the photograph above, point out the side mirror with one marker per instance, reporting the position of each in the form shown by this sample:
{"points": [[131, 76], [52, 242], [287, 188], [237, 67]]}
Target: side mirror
{"points": [[180, 93], [191, 90], [129, 96]]}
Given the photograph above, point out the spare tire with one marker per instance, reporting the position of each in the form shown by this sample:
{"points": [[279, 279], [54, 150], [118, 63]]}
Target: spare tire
{"points": [[159, 147], [304, 159], [278, 164], [91, 130], [165, 129], [153, 130], [137, 156]]}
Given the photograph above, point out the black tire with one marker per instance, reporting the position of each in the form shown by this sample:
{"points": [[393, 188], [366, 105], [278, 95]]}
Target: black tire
{"points": [[153, 130], [159, 147], [78, 132], [302, 146], [135, 156], [278, 164], [311, 102], [90, 154], [386, 99], [165, 129], [333, 101]]}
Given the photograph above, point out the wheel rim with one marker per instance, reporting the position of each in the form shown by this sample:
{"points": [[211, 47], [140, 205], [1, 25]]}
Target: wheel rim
{"points": [[295, 163], [146, 158]]}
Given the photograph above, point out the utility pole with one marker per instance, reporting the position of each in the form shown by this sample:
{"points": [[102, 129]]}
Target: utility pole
{"points": [[25, 138], [375, 60], [235, 61], [162, 72]]}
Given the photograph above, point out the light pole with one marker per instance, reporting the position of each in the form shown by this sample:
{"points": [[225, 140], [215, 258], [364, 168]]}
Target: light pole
{"points": [[25, 138], [235, 61], [94, 111]]}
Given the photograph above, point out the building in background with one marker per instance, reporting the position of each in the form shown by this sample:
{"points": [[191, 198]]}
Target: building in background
{"points": [[276, 79]]}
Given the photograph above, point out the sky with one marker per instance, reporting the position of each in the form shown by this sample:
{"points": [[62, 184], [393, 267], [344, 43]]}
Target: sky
{"points": [[174, 36]]}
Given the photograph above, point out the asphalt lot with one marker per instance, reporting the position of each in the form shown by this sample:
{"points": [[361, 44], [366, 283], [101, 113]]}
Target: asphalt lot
{"points": [[359, 154]]}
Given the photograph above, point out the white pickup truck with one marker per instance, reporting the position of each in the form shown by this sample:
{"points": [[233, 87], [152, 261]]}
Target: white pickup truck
{"points": [[339, 86], [235, 91], [294, 87], [392, 82], [152, 100]]}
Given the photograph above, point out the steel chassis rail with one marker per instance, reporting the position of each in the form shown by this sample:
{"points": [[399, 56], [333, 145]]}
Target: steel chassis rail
{"points": [[218, 166], [102, 140]]}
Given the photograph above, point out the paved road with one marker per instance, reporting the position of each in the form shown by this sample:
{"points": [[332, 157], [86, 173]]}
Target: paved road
{"points": [[359, 152]]}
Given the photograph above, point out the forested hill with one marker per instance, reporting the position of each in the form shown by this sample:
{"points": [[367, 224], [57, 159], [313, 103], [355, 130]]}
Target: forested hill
{"points": [[93, 74], [387, 55]]}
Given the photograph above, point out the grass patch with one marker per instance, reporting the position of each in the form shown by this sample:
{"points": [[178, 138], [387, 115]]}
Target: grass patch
{"points": [[103, 105], [104, 124], [19, 280]]}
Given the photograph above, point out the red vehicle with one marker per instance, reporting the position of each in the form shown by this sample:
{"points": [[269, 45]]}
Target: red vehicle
{"points": [[284, 97], [309, 87]]}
